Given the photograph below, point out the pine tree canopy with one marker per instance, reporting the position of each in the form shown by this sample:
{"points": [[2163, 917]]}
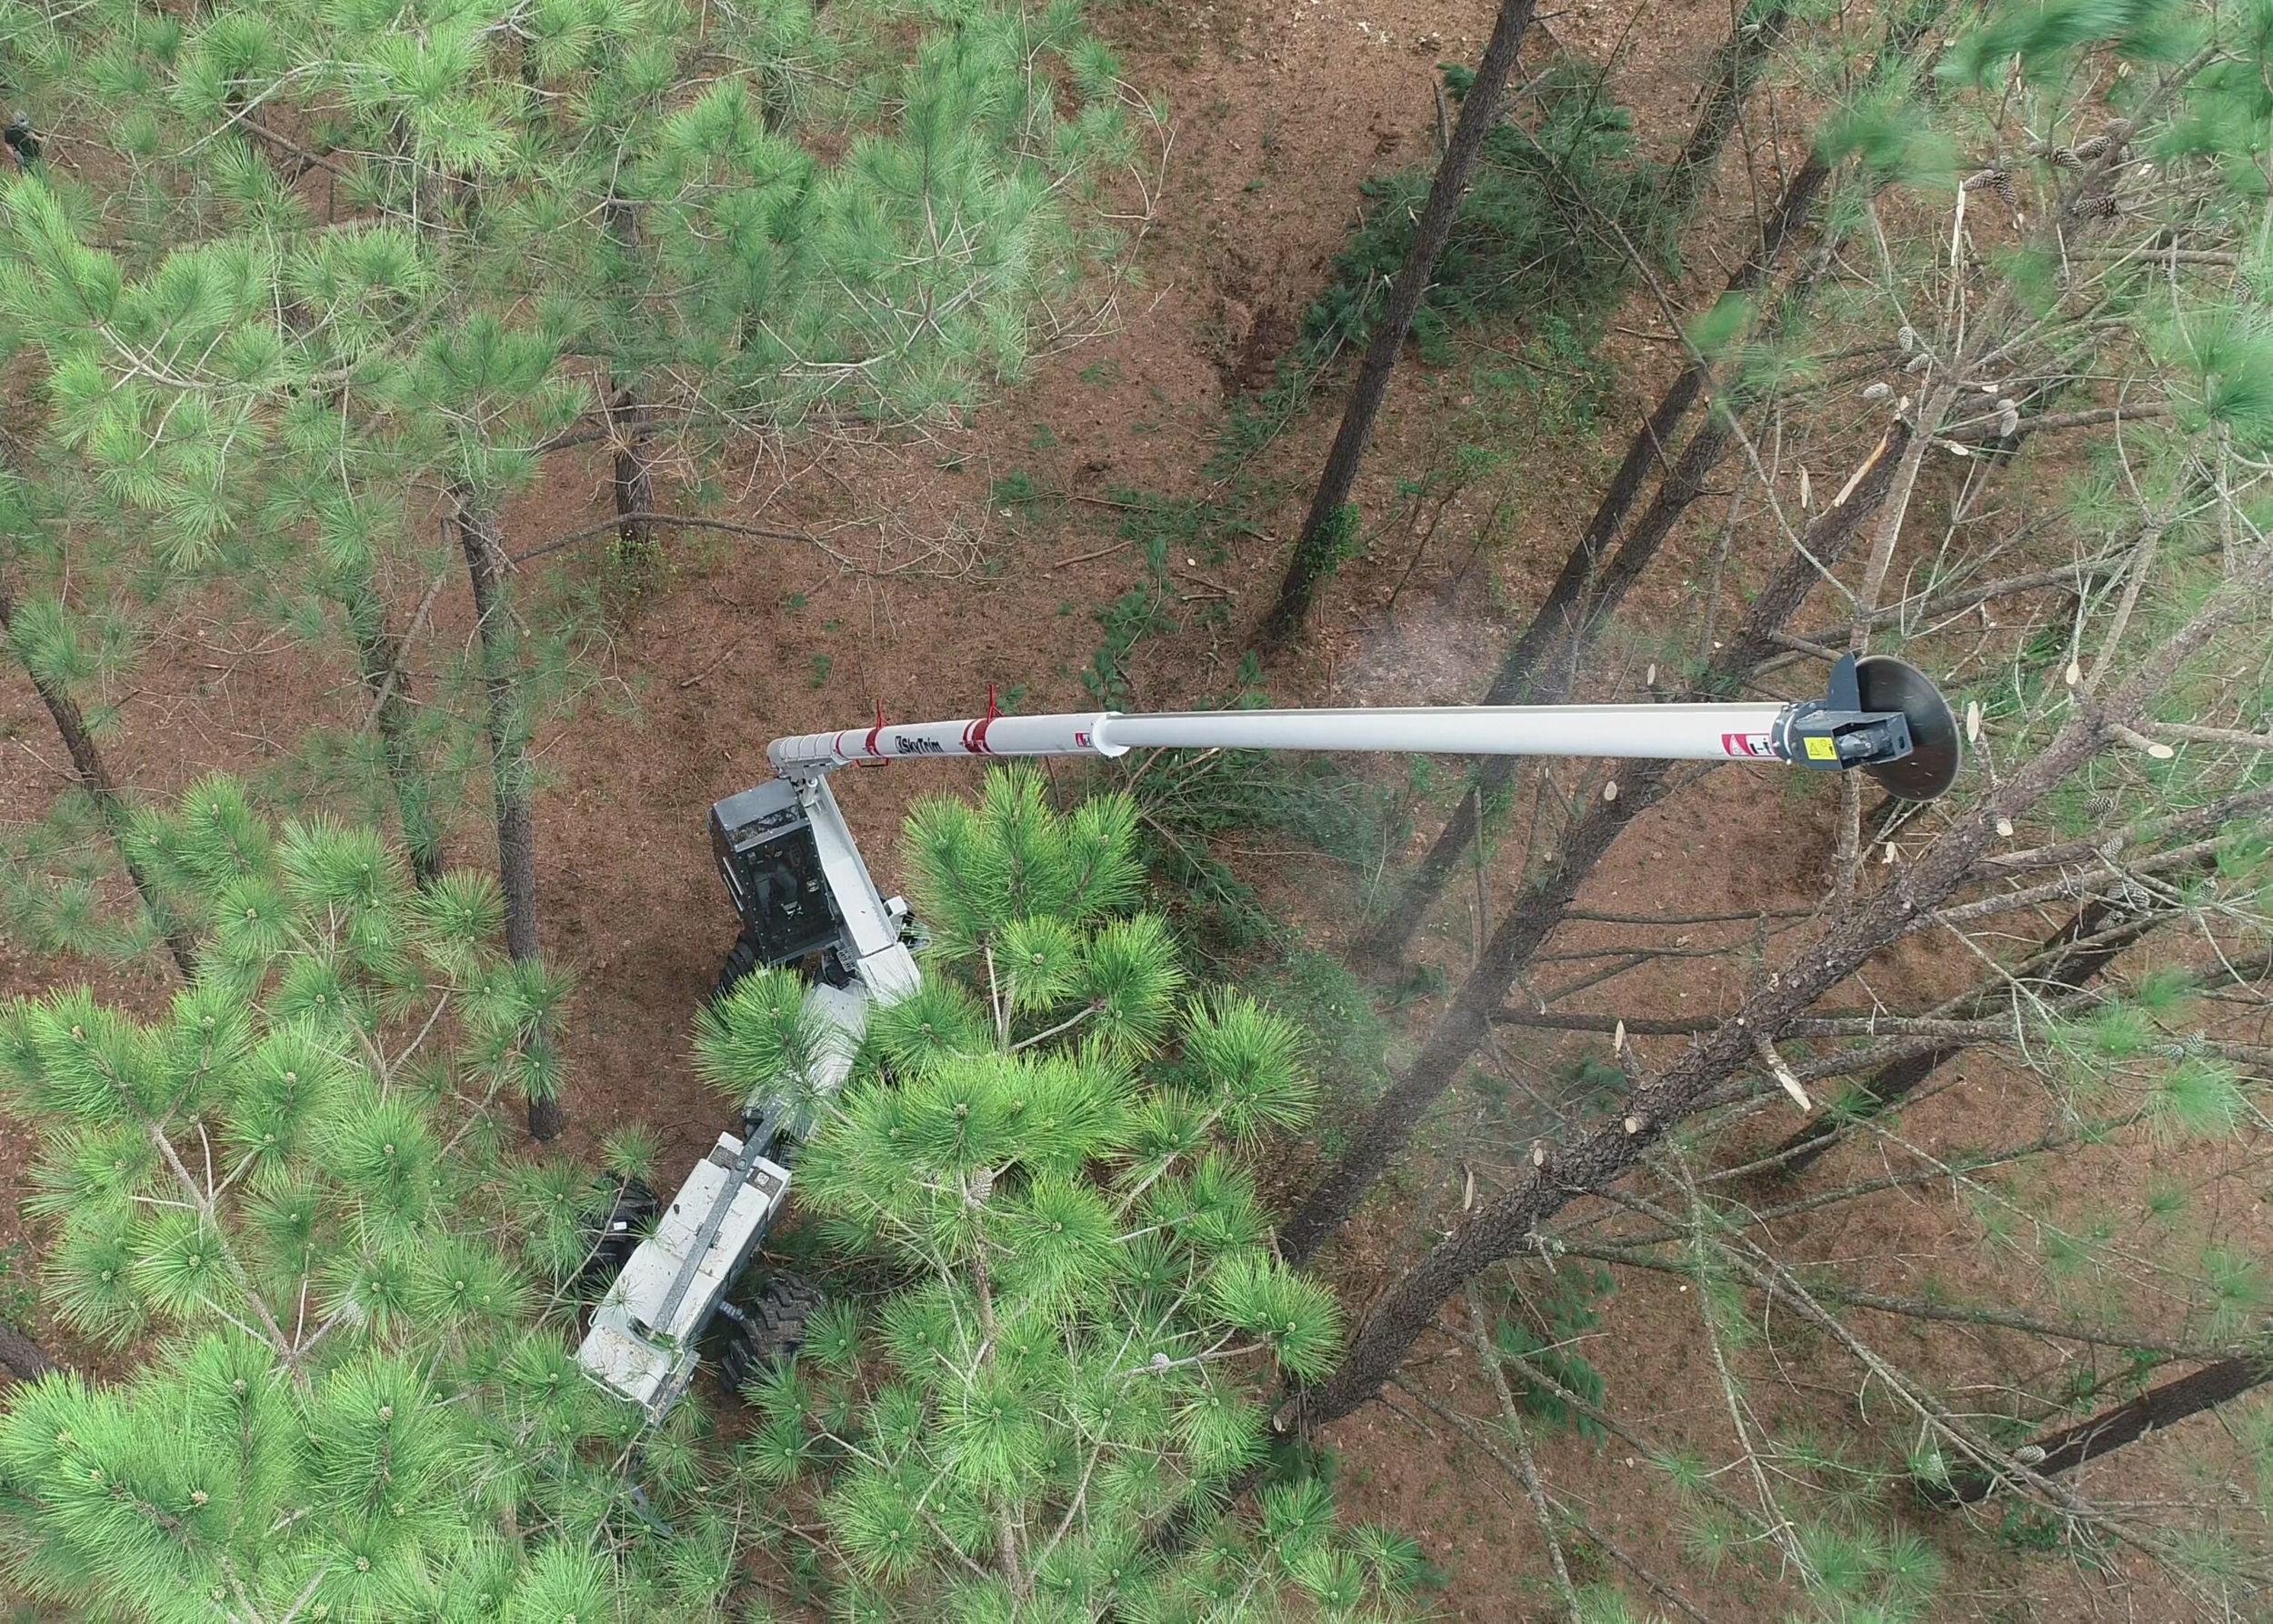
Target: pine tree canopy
{"points": [[1046, 1153], [356, 1399], [353, 1398], [294, 276], [793, 211]]}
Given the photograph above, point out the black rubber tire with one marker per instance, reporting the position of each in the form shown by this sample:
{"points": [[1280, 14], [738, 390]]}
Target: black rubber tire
{"points": [[741, 959], [770, 1332], [615, 1235]]}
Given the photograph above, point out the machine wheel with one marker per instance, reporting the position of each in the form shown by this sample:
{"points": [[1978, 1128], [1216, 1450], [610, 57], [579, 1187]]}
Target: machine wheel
{"points": [[617, 1234], [741, 959], [770, 1332]]}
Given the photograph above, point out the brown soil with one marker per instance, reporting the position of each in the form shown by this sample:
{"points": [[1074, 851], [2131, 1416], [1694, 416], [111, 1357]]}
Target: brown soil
{"points": [[1279, 112]]}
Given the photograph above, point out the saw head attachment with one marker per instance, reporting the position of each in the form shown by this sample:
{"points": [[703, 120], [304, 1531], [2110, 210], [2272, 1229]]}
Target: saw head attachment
{"points": [[1937, 749]]}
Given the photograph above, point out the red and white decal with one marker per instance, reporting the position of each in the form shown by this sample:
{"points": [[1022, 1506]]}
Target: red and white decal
{"points": [[1756, 744]]}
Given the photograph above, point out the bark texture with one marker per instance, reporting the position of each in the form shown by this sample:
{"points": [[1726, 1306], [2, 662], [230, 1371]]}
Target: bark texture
{"points": [[628, 419], [1735, 65], [2125, 1423], [25, 1359], [633, 478], [379, 662]]}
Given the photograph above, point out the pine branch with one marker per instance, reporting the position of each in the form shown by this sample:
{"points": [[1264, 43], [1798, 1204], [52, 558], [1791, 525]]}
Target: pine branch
{"points": [[1853, 1026], [2192, 825], [1767, 1274], [1905, 1307], [1527, 1469], [1473, 1433], [203, 1201], [2230, 737], [685, 521]]}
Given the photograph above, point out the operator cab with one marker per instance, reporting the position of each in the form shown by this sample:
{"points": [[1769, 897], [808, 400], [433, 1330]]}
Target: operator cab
{"points": [[771, 862]]}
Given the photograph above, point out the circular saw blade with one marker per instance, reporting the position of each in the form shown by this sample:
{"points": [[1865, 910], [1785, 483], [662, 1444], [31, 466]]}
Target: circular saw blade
{"points": [[1931, 766]]}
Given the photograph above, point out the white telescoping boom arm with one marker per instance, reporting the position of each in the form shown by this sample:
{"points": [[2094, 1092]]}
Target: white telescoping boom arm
{"points": [[1841, 730]]}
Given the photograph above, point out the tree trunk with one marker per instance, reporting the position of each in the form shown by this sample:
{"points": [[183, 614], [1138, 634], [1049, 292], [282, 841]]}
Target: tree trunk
{"points": [[24, 1358], [626, 419], [1383, 1131], [1558, 618], [94, 775], [634, 479], [511, 774], [1739, 64], [379, 662], [1317, 552], [2069, 969], [2111, 1428], [1506, 1223]]}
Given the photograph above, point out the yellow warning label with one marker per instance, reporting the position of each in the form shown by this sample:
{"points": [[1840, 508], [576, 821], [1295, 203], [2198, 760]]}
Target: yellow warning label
{"points": [[1822, 750]]}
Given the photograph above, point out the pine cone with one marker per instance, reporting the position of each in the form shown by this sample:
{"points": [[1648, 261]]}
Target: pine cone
{"points": [[1998, 179], [2085, 152]]}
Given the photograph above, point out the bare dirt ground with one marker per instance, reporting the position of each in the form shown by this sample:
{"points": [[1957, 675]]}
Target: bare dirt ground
{"points": [[1279, 111]]}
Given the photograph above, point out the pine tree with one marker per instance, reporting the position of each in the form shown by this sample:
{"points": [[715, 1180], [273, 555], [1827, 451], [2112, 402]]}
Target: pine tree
{"points": [[341, 273], [2014, 313], [353, 1396], [2049, 379], [1046, 1153], [1330, 526]]}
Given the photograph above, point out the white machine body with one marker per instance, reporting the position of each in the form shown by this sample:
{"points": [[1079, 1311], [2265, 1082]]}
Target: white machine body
{"points": [[630, 1348], [806, 900]]}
